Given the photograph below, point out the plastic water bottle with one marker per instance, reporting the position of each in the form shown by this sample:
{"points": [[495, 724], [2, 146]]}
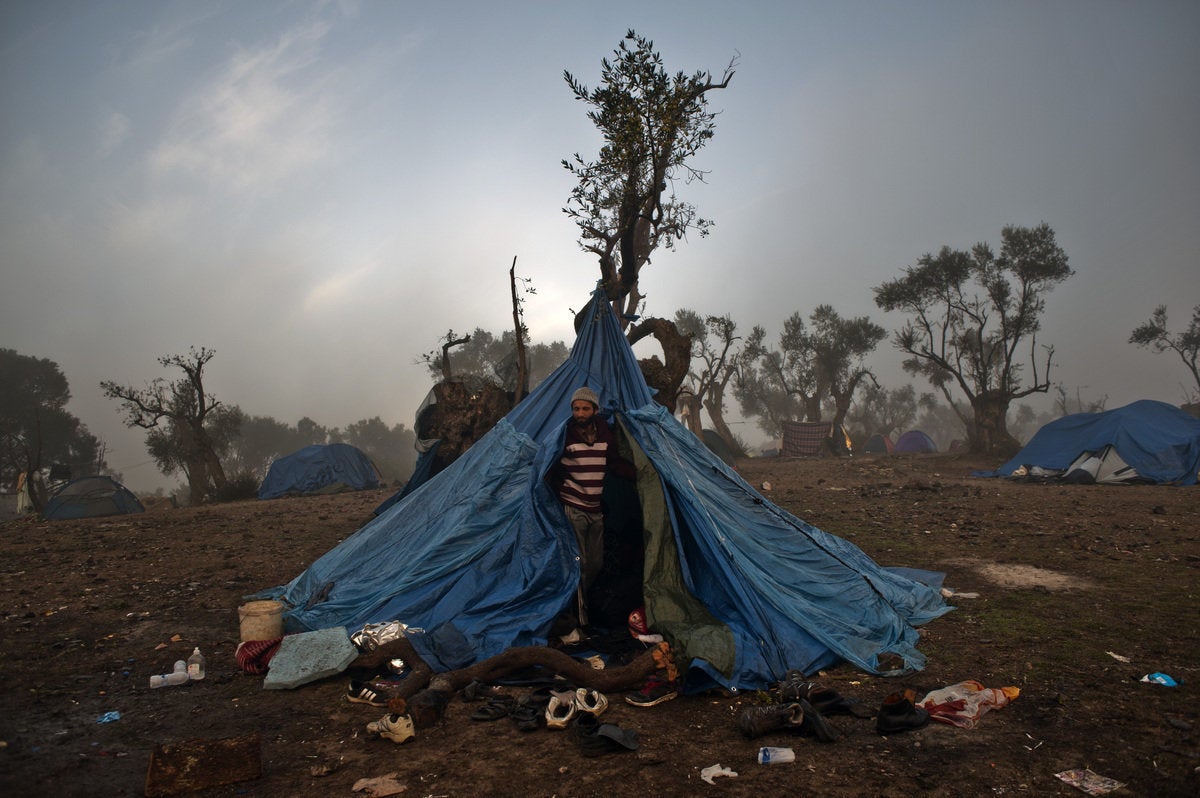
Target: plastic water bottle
{"points": [[774, 756], [177, 676], [195, 665]]}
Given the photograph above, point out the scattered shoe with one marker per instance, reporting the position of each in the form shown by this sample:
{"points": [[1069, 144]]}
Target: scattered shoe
{"points": [[596, 738], [561, 709], [792, 687], [654, 692], [397, 728], [826, 700], [814, 724], [498, 706], [759, 720], [529, 714], [590, 701], [363, 693], [899, 713]]}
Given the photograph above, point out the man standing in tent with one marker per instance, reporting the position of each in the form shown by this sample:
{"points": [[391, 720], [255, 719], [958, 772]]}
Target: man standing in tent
{"points": [[589, 453]]}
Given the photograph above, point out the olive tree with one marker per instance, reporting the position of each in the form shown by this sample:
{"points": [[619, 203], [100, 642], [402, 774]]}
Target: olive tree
{"points": [[974, 320]]}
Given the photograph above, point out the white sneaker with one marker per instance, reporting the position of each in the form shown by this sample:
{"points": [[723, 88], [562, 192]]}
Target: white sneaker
{"points": [[560, 710], [592, 702], [397, 728]]}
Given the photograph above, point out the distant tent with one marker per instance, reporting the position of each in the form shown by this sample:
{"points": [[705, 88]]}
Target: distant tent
{"points": [[878, 444], [482, 559], [319, 469], [719, 447], [915, 441], [91, 497], [1146, 441]]}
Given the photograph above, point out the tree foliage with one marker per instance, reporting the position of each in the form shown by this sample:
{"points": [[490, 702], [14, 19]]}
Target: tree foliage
{"points": [[36, 430], [187, 427], [815, 364], [624, 202], [887, 411], [483, 356], [1155, 336], [974, 319]]}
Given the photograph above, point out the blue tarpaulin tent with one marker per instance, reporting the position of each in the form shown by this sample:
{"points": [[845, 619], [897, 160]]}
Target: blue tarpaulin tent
{"points": [[1158, 441], [482, 559], [319, 468]]}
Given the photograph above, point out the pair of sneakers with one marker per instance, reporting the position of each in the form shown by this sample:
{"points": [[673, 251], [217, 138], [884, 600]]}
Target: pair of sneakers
{"points": [[397, 728], [564, 705]]}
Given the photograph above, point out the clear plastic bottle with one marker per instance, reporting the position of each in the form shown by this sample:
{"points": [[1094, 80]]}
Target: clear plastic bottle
{"points": [[195, 665], [775, 756], [177, 676]]}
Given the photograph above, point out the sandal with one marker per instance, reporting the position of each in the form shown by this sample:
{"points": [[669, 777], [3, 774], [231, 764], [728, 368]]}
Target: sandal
{"points": [[529, 714], [497, 707]]}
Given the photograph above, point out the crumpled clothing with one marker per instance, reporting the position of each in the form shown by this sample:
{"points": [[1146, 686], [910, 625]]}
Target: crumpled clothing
{"points": [[254, 656], [664, 660], [963, 704]]}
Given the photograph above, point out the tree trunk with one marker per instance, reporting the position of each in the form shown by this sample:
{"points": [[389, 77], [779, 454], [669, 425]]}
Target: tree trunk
{"points": [[988, 433], [666, 377], [716, 413]]}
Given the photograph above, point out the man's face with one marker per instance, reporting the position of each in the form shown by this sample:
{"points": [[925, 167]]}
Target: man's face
{"points": [[582, 411]]}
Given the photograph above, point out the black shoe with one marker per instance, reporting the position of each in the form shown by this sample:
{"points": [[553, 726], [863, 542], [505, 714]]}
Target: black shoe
{"points": [[792, 687], [899, 713], [597, 739], [814, 724], [757, 721]]}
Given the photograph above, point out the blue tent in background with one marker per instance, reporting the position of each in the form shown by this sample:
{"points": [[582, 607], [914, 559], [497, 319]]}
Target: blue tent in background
{"points": [[1159, 442], [482, 559], [914, 441], [319, 469]]}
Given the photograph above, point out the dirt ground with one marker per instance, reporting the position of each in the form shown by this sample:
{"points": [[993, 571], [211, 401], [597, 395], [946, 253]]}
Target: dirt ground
{"points": [[1066, 577]]}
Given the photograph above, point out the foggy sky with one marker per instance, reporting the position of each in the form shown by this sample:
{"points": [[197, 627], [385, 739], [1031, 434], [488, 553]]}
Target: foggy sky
{"points": [[318, 191]]}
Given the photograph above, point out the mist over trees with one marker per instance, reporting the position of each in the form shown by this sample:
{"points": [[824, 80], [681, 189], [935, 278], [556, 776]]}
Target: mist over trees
{"points": [[185, 425], [223, 453], [812, 367], [36, 430], [974, 322], [1155, 336]]}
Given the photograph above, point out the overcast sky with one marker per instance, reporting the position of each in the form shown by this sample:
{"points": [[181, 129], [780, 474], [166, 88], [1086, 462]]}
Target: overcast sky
{"points": [[319, 190]]}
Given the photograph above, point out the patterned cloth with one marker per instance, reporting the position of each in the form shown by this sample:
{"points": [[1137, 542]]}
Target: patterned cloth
{"points": [[805, 437], [254, 656]]}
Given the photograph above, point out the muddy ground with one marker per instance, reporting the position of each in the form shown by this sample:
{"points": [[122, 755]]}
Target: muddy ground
{"points": [[1066, 577]]}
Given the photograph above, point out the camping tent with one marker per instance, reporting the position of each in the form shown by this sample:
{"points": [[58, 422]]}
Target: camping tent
{"points": [[90, 497], [1146, 441], [915, 441], [319, 469], [481, 558], [878, 444]]}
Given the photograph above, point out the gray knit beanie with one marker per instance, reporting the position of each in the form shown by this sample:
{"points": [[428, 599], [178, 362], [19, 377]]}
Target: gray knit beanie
{"points": [[586, 394]]}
